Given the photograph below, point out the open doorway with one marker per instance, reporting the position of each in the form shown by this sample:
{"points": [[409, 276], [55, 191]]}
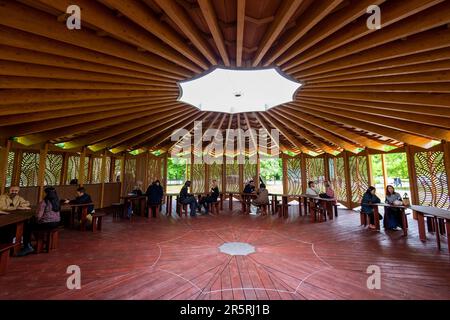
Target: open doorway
{"points": [[271, 172], [176, 174]]}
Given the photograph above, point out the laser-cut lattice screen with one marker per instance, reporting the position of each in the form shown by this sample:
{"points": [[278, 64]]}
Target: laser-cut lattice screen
{"points": [[337, 178], [250, 172], [129, 175], [73, 166], [315, 171], [117, 170], [96, 176], [432, 178], [10, 168], [107, 170], [154, 171], [198, 178], [359, 179], [215, 173], [53, 169], [29, 169], [294, 175], [232, 176]]}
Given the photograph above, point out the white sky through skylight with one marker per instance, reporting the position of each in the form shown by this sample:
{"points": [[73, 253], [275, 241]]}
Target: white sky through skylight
{"points": [[235, 91]]}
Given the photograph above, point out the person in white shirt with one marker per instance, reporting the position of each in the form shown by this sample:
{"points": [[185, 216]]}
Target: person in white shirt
{"points": [[312, 190]]}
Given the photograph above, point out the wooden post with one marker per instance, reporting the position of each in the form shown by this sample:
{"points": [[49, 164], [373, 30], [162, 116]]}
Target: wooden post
{"points": [[285, 173], [369, 168], [102, 178], [326, 167], [4, 153], [165, 178], [383, 167], [206, 168], [303, 170], [81, 177], [41, 173], [348, 181], [122, 174], [241, 177], [64, 169], [412, 177], [224, 174], [258, 171], [446, 148], [15, 180]]}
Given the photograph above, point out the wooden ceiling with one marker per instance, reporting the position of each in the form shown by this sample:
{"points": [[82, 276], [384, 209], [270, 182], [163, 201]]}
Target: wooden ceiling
{"points": [[113, 84]]}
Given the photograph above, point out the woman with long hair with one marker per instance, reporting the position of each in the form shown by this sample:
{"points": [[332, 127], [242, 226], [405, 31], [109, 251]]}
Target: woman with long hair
{"points": [[393, 215], [370, 198], [47, 218]]}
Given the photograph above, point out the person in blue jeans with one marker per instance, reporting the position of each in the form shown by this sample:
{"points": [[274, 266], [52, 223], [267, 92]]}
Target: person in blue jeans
{"points": [[187, 198]]}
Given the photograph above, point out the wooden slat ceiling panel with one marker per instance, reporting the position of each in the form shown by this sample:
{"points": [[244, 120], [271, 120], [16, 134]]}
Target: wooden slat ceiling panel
{"points": [[114, 82]]}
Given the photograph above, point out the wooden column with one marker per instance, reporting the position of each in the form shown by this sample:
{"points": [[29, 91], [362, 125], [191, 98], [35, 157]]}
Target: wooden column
{"points": [[81, 177], [285, 173], [383, 167], [369, 168], [206, 177], [224, 174], [326, 167], [412, 177], [348, 181], [102, 178], [165, 160], [303, 170], [4, 152], [446, 148], [122, 173], [258, 171], [41, 173], [65, 165], [241, 177], [15, 180]]}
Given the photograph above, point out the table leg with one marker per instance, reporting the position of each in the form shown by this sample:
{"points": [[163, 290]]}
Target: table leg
{"points": [[404, 222], [142, 207], [19, 234], [330, 210], [305, 205], [436, 230], [230, 201], [421, 225], [285, 207], [83, 218], [125, 209], [376, 217], [300, 206], [447, 223]]}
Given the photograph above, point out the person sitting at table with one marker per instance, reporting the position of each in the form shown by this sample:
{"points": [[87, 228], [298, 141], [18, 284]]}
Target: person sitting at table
{"points": [[263, 196], [370, 197], [155, 194], [211, 197], [312, 190], [47, 218], [187, 198], [329, 192], [137, 190], [11, 202], [393, 215], [83, 198], [249, 187]]}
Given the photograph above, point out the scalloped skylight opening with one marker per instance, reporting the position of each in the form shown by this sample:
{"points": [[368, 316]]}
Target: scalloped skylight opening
{"points": [[236, 91]]}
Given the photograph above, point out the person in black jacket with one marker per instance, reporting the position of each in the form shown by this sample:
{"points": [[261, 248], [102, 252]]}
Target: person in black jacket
{"points": [[370, 198], [211, 198], [250, 187], [187, 198], [155, 194], [82, 198]]}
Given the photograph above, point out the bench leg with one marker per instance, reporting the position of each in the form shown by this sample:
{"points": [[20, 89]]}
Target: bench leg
{"points": [[4, 260]]}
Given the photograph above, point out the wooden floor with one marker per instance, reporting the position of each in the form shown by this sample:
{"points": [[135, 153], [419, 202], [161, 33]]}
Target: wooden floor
{"points": [[178, 258]]}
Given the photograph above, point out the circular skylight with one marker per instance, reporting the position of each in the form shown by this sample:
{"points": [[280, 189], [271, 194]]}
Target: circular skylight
{"points": [[236, 91]]}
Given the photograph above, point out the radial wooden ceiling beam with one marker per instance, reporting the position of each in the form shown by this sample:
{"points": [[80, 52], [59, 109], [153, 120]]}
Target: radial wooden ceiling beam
{"points": [[313, 15], [337, 130], [84, 57], [370, 126], [322, 30], [419, 43], [284, 14], [103, 18], [266, 128], [13, 13], [344, 43], [249, 128], [176, 13], [11, 96], [240, 31], [209, 14]]}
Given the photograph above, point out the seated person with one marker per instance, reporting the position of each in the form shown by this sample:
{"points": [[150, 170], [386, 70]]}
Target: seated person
{"points": [[137, 190], [312, 190], [211, 198], [393, 215], [83, 198], [11, 202], [263, 196], [47, 218], [249, 187], [370, 198], [155, 194], [329, 192], [187, 198]]}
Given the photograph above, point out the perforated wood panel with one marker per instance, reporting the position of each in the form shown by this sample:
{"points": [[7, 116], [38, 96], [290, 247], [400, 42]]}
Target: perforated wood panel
{"points": [[53, 168], [359, 177], [337, 178], [29, 169], [294, 175], [315, 171]]}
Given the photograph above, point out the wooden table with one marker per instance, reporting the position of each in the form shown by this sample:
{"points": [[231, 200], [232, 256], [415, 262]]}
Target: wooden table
{"points": [[329, 204], [435, 214], [385, 205], [142, 200], [169, 199], [246, 201], [84, 212], [18, 218]]}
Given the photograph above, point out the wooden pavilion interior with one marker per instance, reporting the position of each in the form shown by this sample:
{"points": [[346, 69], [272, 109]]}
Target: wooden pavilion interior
{"points": [[100, 104]]}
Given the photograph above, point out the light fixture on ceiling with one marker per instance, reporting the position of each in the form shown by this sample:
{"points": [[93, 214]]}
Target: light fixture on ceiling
{"points": [[236, 91]]}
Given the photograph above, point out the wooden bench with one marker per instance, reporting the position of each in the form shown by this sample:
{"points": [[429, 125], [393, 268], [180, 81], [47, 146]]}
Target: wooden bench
{"points": [[5, 250], [182, 209], [47, 240], [117, 210], [97, 218], [153, 208], [213, 207]]}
